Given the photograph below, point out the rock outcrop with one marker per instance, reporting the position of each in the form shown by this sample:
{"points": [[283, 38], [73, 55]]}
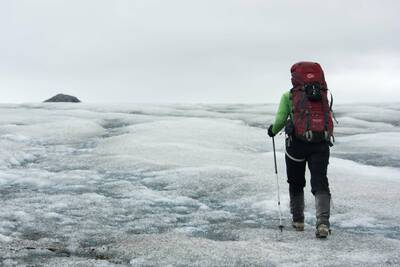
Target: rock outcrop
{"points": [[63, 98]]}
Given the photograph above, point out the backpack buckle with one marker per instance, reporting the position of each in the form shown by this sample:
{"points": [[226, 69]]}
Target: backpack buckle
{"points": [[308, 135], [326, 136]]}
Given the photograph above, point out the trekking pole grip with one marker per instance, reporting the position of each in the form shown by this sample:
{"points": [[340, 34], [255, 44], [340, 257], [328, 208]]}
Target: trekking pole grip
{"points": [[273, 145]]}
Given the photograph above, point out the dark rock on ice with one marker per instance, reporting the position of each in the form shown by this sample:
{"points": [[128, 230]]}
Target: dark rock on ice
{"points": [[63, 98]]}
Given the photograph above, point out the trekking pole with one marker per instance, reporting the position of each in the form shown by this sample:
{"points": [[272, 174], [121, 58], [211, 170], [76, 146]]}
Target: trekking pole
{"points": [[277, 184]]}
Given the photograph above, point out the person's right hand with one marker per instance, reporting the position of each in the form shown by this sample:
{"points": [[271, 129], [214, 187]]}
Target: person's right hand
{"points": [[270, 133]]}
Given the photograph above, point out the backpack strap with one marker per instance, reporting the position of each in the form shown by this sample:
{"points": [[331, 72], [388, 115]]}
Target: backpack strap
{"points": [[330, 107], [291, 106], [301, 104]]}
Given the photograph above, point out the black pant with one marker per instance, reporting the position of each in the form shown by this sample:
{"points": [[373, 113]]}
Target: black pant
{"points": [[316, 155]]}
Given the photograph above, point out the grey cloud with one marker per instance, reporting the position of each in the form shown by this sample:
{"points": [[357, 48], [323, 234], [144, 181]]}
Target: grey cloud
{"points": [[192, 51]]}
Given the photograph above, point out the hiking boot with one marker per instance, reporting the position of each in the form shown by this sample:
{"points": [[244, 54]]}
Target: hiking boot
{"points": [[322, 210], [298, 226], [322, 231], [297, 208]]}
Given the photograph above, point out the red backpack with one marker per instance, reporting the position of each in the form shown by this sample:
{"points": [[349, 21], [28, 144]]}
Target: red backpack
{"points": [[312, 113]]}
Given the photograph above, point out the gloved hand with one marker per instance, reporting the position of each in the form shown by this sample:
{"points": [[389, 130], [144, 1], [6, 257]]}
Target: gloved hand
{"points": [[270, 133]]}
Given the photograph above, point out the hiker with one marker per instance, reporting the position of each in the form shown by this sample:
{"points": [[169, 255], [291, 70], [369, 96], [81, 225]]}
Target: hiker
{"points": [[306, 114]]}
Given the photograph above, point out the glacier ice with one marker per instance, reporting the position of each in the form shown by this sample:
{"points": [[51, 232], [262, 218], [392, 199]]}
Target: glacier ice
{"points": [[187, 185]]}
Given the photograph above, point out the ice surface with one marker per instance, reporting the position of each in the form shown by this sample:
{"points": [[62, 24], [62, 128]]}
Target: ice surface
{"points": [[187, 185]]}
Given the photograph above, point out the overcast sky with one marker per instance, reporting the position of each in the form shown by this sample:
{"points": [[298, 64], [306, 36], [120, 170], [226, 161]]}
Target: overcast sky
{"points": [[195, 51]]}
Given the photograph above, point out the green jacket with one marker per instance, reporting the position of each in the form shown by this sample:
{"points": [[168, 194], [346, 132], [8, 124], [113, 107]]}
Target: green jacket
{"points": [[284, 110]]}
